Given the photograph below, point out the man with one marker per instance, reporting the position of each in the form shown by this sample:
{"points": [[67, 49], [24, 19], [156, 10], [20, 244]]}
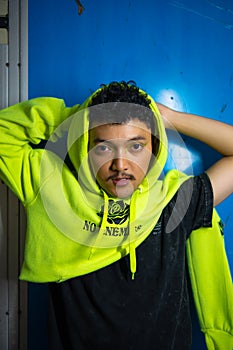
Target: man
{"points": [[110, 233]]}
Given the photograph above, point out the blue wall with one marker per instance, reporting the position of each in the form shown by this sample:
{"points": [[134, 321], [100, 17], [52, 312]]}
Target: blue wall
{"points": [[180, 52]]}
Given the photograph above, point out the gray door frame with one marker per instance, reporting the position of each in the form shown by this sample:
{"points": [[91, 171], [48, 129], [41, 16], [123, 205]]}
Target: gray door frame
{"points": [[13, 89]]}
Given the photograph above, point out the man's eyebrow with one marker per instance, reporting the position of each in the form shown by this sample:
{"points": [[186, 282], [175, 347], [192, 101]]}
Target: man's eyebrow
{"points": [[136, 138], [98, 140]]}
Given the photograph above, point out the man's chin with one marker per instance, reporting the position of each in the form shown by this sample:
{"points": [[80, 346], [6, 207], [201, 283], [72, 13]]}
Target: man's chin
{"points": [[122, 192]]}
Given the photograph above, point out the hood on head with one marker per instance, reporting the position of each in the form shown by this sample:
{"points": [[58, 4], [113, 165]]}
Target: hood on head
{"points": [[78, 140], [121, 225]]}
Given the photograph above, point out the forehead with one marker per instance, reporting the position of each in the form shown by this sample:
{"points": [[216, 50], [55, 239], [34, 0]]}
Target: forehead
{"points": [[120, 112], [132, 129]]}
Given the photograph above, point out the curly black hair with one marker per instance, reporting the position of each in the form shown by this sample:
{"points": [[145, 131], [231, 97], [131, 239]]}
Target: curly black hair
{"points": [[136, 104], [121, 92]]}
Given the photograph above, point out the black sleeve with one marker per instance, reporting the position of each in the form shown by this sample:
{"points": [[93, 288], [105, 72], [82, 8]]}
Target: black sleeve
{"points": [[192, 206]]}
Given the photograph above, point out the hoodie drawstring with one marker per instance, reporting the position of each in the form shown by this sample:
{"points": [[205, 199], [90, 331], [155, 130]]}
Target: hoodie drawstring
{"points": [[132, 246], [102, 226], [105, 213]]}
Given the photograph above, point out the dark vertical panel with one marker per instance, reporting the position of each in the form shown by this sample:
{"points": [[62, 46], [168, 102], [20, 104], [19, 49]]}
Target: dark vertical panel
{"points": [[4, 311]]}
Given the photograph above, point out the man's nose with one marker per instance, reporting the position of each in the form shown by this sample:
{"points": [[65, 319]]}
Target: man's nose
{"points": [[119, 164]]}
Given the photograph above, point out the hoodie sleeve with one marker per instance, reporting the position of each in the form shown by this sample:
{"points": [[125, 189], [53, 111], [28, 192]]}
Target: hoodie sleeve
{"points": [[21, 125]]}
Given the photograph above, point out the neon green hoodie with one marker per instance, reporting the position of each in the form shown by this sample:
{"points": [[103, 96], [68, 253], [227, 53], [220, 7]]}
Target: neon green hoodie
{"points": [[67, 236]]}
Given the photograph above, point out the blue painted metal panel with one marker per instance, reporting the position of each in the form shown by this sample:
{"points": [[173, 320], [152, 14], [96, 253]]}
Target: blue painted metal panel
{"points": [[180, 52]]}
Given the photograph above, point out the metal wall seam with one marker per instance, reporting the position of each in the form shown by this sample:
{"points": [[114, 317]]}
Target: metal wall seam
{"points": [[12, 204], [4, 75], [4, 312], [23, 95], [23, 51], [4, 287]]}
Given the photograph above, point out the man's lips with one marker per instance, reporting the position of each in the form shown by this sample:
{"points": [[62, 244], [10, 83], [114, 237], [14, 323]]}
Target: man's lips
{"points": [[121, 180]]}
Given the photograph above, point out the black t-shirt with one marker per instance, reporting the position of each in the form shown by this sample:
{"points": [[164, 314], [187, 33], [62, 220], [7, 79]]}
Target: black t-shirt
{"points": [[107, 310]]}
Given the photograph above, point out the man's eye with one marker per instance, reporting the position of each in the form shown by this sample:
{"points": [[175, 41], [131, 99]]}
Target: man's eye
{"points": [[136, 147], [102, 149]]}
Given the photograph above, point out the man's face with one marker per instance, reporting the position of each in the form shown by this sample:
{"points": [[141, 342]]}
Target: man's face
{"points": [[120, 156]]}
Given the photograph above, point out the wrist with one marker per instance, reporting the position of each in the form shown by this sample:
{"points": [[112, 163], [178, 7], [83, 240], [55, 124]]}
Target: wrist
{"points": [[168, 115]]}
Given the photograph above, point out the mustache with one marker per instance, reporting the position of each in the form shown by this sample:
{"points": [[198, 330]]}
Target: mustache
{"points": [[120, 175]]}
